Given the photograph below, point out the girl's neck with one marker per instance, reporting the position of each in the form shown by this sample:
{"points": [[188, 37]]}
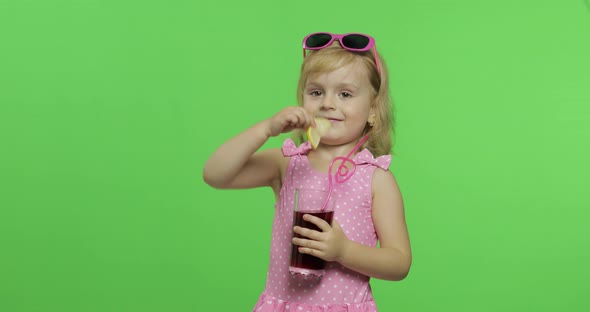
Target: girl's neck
{"points": [[328, 152], [324, 156]]}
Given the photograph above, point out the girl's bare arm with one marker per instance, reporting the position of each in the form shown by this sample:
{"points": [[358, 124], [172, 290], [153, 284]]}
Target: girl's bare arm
{"points": [[237, 164], [393, 259]]}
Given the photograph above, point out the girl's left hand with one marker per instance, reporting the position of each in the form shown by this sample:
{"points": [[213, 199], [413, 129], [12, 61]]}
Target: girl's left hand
{"points": [[329, 244]]}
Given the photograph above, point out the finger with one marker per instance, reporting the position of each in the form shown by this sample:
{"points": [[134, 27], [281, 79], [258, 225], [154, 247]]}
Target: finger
{"points": [[312, 234], [292, 120], [304, 117], [287, 126], [335, 225], [304, 120], [307, 243], [309, 122], [311, 251], [321, 223], [309, 115]]}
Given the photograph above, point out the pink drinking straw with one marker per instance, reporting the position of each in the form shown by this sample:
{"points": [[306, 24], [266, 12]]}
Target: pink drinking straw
{"points": [[343, 173]]}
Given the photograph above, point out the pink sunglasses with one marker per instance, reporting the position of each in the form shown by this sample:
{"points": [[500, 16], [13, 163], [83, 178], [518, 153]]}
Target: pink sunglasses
{"points": [[352, 42]]}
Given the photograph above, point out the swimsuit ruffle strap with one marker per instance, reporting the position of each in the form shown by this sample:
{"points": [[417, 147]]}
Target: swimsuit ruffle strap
{"points": [[366, 157], [290, 149]]}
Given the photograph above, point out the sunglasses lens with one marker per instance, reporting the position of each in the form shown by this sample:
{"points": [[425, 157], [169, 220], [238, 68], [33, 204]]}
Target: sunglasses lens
{"points": [[355, 41], [317, 40]]}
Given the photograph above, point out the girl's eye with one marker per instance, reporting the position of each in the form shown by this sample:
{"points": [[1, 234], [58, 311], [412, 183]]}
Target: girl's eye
{"points": [[345, 94], [315, 93]]}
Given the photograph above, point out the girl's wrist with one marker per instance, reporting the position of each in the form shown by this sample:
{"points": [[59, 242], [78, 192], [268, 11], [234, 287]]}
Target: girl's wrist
{"points": [[345, 249], [266, 128]]}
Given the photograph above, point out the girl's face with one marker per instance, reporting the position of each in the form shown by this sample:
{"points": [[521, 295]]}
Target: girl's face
{"points": [[344, 97]]}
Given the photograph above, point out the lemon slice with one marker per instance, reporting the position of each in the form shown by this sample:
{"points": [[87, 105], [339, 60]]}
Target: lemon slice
{"points": [[314, 134], [322, 125]]}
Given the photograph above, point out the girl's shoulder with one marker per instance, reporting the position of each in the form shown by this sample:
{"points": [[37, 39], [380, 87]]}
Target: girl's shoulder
{"points": [[383, 181], [382, 178]]}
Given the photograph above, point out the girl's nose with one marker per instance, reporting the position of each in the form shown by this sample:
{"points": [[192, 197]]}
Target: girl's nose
{"points": [[327, 103]]}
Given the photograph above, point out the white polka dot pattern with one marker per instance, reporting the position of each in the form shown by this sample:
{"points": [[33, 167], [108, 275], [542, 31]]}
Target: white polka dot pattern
{"points": [[339, 287]]}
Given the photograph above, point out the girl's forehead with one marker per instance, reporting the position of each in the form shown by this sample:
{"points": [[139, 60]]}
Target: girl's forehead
{"points": [[353, 73]]}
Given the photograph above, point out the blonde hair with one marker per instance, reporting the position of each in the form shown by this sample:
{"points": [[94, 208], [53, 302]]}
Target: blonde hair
{"points": [[380, 135]]}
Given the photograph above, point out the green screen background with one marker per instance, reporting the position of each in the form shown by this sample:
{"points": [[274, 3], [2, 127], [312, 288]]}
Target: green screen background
{"points": [[109, 109]]}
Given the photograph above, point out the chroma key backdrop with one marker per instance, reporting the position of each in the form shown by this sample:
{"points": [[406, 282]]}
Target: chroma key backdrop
{"points": [[109, 109]]}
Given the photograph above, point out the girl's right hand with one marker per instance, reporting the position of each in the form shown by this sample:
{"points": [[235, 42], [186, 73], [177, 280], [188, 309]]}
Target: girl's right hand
{"points": [[288, 119]]}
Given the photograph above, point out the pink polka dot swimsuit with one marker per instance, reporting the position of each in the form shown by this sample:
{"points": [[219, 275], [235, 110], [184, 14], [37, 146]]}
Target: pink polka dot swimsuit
{"points": [[340, 289]]}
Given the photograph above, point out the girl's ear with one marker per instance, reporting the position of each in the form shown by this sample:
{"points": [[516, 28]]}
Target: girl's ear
{"points": [[371, 119]]}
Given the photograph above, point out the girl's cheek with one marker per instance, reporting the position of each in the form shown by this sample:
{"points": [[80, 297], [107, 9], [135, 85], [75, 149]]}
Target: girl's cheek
{"points": [[308, 104], [311, 101]]}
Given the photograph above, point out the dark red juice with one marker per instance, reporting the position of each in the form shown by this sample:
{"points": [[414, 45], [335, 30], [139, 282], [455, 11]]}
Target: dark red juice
{"points": [[306, 261]]}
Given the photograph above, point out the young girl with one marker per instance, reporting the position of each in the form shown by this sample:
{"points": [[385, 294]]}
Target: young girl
{"points": [[345, 81]]}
